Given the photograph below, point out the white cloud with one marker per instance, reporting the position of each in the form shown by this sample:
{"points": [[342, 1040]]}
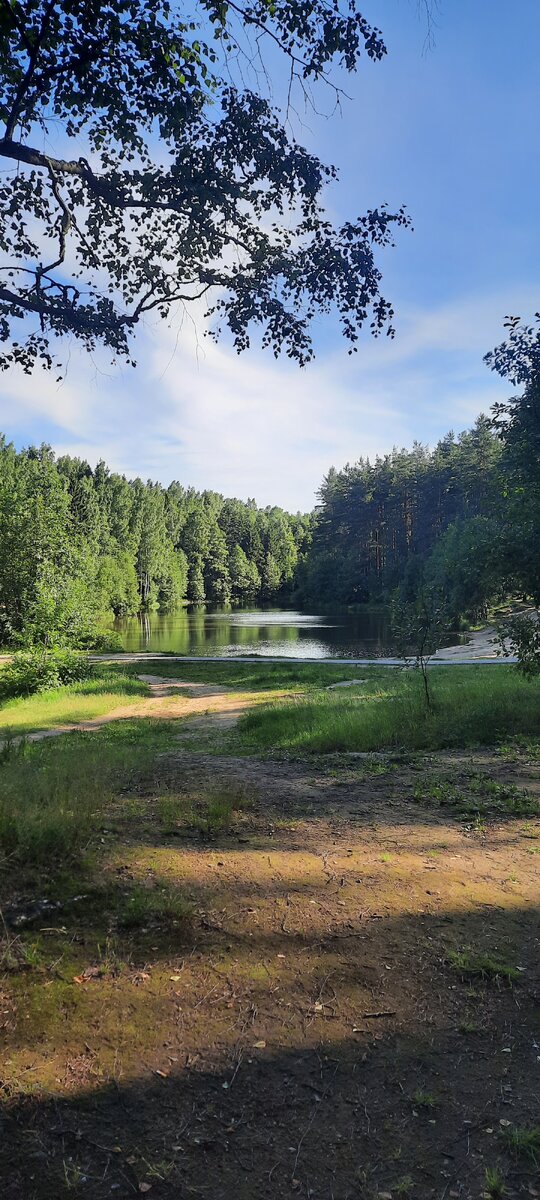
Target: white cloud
{"points": [[250, 426]]}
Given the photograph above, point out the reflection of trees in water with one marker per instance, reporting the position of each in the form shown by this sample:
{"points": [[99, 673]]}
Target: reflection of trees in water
{"points": [[199, 631], [145, 627]]}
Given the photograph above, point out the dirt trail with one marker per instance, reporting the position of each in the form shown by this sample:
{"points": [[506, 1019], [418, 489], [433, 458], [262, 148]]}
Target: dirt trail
{"points": [[170, 699]]}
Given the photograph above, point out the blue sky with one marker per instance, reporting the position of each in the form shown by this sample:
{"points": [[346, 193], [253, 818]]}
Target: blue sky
{"points": [[453, 134]]}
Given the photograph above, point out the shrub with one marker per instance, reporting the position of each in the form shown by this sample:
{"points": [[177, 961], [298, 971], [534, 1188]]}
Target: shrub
{"points": [[108, 642], [39, 670]]}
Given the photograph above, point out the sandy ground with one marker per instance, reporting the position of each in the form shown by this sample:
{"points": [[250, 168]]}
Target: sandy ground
{"points": [[305, 1034]]}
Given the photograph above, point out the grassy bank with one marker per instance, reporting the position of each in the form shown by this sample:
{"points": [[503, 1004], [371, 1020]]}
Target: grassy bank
{"points": [[471, 706]]}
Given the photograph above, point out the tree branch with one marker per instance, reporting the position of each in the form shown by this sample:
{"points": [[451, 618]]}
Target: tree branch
{"points": [[25, 82]]}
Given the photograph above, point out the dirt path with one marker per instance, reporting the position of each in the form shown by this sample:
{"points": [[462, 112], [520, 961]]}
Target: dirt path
{"points": [[169, 700], [306, 1033]]}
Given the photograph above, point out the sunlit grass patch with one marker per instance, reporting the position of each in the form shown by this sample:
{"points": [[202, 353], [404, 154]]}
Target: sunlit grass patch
{"points": [[209, 811], [471, 705], [261, 676], [471, 964], [84, 701]]}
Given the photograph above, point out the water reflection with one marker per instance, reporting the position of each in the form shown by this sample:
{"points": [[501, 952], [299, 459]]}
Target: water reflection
{"points": [[227, 632]]}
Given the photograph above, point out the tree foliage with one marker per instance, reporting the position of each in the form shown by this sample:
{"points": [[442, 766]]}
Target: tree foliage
{"points": [[150, 169], [78, 546], [378, 523]]}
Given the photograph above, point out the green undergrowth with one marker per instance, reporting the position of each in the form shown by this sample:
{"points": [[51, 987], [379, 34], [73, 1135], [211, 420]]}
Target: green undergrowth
{"points": [[470, 706], [208, 811], [54, 794], [474, 795], [107, 688]]}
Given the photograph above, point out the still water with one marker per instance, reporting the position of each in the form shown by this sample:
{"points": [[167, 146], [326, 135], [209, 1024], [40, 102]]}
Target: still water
{"points": [[278, 632]]}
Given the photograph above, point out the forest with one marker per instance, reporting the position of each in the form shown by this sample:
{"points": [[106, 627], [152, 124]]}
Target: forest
{"points": [[80, 546], [414, 516]]}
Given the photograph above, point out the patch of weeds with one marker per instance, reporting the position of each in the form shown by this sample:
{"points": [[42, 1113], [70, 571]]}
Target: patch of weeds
{"points": [[424, 1099], [494, 1183], [378, 766], [73, 1175], [523, 1141], [18, 955], [386, 858], [146, 905], [12, 747], [520, 747], [218, 807], [404, 1186], [468, 1028], [110, 960], [438, 794], [478, 796], [160, 1169], [170, 810], [471, 963]]}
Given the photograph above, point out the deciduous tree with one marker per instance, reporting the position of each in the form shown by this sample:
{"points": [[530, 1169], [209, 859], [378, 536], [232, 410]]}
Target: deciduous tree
{"points": [[148, 168]]}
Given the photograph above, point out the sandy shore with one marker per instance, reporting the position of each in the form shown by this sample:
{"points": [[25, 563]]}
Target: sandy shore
{"points": [[480, 645]]}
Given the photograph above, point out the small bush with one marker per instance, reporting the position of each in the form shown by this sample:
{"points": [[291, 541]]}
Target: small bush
{"points": [[108, 642], [40, 670]]}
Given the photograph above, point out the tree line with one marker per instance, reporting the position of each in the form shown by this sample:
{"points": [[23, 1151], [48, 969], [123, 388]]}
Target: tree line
{"points": [[447, 532], [458, 525], [81, 545], [388, 523]]}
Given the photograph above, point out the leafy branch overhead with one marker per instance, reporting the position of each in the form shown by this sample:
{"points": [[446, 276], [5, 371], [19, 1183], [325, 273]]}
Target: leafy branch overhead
{"points": [[146, 168]]}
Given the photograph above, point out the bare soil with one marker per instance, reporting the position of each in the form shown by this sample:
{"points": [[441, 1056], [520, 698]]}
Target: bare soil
{"points": [[304, 1034]]}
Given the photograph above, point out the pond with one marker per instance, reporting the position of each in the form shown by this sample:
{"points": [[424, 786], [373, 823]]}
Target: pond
{"points": [[276, 632]]}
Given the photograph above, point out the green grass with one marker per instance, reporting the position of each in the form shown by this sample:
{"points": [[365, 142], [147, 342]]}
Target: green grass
{"points": [[151, 905], [424, 1099], [252, 677], [524, 1142], [494, 1183], [95, 697], [471, 964], [210, 812], [476, 795], [471, 706], [53, 797], [218, 807]]}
